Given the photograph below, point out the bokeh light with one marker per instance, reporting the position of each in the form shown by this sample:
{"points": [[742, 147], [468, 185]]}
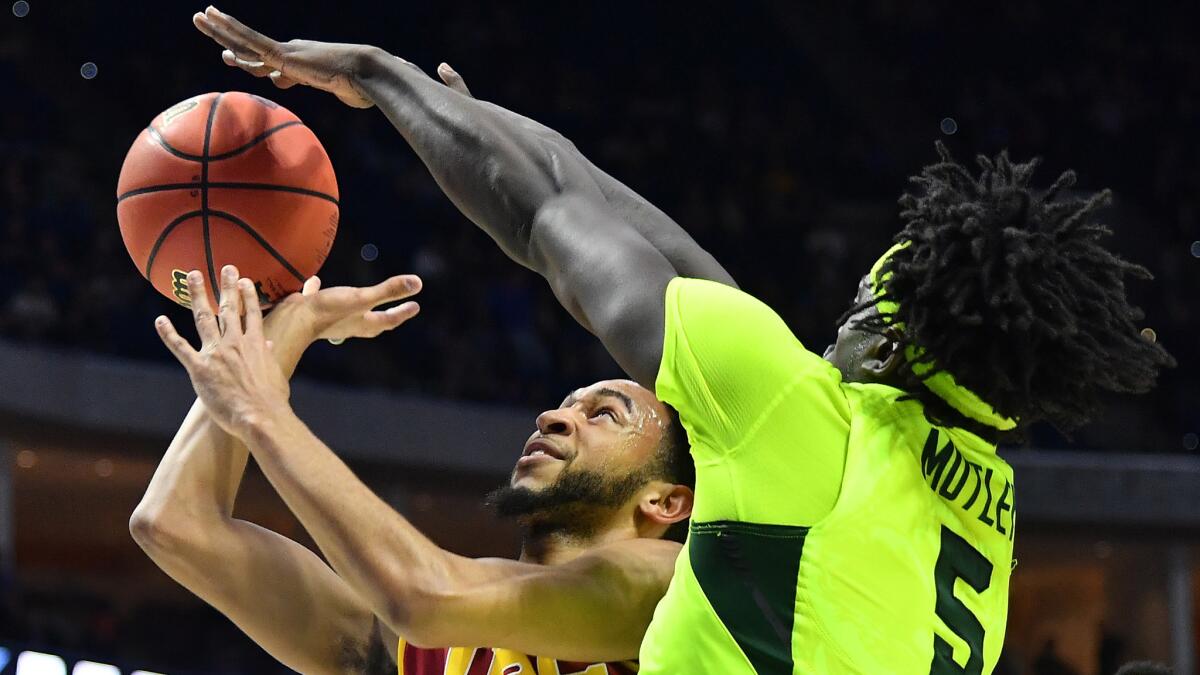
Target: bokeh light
{"points": [[369, 252], [88, 70], [949, 126], [20, 9]]}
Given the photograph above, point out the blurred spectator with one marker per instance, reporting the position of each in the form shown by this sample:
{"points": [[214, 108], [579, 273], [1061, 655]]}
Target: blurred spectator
{"points": [[760, 149]]}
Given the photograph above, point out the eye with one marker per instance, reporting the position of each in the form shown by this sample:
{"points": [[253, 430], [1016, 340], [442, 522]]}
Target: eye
{"points": [[606, 411]]}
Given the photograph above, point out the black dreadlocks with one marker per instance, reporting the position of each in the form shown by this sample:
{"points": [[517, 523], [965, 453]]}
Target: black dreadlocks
{"points": [[1014, 294]]}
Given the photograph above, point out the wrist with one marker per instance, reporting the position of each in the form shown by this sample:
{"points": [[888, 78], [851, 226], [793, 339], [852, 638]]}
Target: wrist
{"points": [[368, 65], [264, 423], [290, 336]]}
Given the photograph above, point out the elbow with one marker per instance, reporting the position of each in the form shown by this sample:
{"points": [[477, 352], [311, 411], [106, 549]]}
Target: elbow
{"points": [[148, 528], [156, 532], [423, 615]]}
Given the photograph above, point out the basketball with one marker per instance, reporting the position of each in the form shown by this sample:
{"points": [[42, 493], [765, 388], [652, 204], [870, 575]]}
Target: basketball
{"points": [[227, 178]]}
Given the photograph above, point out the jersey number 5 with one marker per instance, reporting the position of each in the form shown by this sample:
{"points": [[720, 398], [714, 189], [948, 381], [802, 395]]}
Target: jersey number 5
{"points": [[958, 560]]}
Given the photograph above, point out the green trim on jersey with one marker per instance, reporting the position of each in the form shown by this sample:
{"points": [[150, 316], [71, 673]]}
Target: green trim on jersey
{"points": [[748, 573], [899, 534]]}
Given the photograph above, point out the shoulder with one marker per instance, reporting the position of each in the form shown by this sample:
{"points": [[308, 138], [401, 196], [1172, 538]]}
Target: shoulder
{"points": [[638, 564]]}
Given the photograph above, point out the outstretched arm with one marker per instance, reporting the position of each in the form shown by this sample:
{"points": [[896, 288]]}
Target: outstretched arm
{"points": [[666, 235], [535, 198], [278, 592], [430, 596]]}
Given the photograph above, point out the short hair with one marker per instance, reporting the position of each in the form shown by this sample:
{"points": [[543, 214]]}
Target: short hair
{"points": [[674, 455], [675, 464], [1012, 291], [1143, 668]]}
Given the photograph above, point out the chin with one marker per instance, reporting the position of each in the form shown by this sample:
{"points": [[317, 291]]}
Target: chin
{"points": [[531, 482]]}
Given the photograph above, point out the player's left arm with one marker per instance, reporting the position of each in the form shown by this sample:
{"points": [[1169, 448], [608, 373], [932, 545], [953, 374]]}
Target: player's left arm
{"points": [[594, 608]]}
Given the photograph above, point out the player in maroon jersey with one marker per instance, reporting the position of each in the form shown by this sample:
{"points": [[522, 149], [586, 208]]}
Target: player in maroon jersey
{"points": [[598, 483]]}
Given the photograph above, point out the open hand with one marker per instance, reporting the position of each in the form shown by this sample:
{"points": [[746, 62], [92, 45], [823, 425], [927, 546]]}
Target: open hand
{"points": [[326, 66], [342, 312], [234, 372]]}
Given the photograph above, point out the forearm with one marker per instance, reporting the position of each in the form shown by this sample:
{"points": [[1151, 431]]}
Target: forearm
{"points": [[275, 590], [497, 175], [198, 476], [379, 554], [658, 228]]}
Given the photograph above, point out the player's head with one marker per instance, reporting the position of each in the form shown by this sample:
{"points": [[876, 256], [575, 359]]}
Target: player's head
{"points": [[609, 450], [999, 305]]}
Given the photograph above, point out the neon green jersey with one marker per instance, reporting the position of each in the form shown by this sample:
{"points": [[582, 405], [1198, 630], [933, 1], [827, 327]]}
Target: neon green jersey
{"points": [[835, 530]]}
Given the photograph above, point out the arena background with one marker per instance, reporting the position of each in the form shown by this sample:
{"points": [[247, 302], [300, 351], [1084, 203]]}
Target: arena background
{"points": [[778, 133]]}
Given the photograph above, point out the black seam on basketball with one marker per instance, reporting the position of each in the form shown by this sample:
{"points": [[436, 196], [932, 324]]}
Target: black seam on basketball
{"points": [[163, 237], [233, 186], [261, 241], [158, 138], [254, 141], [212, 115], [157, 188]]}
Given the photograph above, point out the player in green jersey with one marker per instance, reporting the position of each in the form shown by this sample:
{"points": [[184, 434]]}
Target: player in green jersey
{"points": [[851, 513]]}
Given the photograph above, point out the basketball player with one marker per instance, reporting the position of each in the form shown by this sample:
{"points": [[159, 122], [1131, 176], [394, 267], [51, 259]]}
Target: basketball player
{"points": [[851, 515], [599, 482]]}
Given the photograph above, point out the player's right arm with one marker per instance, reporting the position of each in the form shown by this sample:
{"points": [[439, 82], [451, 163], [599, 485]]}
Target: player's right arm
{"points": [[676, 245], [281, 594], [537, 200], [362, 76]]}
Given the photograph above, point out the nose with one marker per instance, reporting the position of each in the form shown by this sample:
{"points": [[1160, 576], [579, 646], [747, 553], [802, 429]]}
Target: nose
{"points": [[556, 422]]}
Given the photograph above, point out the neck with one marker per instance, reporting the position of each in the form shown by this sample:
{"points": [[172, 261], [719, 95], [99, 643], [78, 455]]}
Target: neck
{"points": [[547, 543]]}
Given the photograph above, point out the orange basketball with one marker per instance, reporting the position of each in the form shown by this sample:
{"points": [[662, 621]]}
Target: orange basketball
{"points": [[223, 179]]}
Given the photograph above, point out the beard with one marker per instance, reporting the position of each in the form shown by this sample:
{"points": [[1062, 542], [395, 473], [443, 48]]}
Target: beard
{"points": [[575, 504]]}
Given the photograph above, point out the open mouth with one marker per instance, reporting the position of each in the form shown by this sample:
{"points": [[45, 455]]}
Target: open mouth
{"points": [[539, 447]]}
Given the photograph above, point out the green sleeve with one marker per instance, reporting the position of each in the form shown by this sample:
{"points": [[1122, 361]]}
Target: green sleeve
{"points": [[729, 361]]}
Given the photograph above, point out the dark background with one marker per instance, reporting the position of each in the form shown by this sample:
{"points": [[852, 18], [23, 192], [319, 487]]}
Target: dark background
{"points": [[779, 135]]}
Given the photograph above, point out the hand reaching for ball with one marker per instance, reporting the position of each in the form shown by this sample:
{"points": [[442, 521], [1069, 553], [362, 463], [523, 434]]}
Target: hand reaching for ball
{"points": [[241, 369], [343, 312], [234, 372]]}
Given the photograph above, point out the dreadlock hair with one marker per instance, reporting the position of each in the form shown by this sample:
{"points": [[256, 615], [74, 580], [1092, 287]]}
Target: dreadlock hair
{"points": [[1014, 294]]}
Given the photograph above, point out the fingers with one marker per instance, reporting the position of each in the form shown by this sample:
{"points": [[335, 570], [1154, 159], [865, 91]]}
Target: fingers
{"points": [[311, 286], [255, 68], [230, 309], [395, 288], [232, 34], [390, 318], [176, 344], [202, 313], [254, 316], [222, 37], [401, 313], [281, 81], [453, 79]]}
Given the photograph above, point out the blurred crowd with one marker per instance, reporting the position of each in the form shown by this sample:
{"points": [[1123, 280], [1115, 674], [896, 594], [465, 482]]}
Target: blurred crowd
{"points": [[781, 153], [778, 134], [79, 624]]}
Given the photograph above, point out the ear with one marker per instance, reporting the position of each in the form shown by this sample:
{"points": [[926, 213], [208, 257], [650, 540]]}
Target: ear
{"points": [[666, 503], [883, 355]]}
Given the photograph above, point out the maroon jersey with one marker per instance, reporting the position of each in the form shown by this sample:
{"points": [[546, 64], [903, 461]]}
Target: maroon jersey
{"points": [[487, 661]]}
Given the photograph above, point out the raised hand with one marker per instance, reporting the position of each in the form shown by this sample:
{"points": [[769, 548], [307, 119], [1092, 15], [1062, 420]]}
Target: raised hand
{"points": [[326, 66], [234, 373], [342, 312]]}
